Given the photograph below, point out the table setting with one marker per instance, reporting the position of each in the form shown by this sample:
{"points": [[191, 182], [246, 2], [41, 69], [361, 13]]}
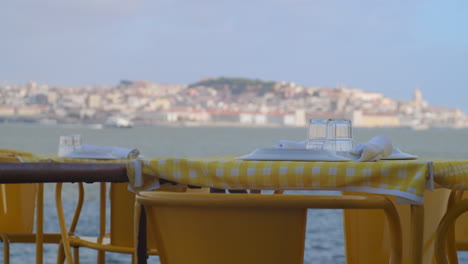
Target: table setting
{"points": [[330, 140], [326, 160]]}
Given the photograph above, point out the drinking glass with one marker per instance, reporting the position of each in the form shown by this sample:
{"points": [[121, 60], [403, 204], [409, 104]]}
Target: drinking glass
{"points": [[339, 135], [69, 144], [317, 134]]}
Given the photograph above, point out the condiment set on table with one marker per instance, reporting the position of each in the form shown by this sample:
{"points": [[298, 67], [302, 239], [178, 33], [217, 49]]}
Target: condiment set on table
{"points": [[330, 140]]}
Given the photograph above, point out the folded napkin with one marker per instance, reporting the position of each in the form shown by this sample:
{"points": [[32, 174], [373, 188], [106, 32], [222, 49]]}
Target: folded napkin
{"points": [[375, 149]]}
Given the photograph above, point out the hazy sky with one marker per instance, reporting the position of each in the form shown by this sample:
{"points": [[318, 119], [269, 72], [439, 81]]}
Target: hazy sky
{"points": [[386, 46]]}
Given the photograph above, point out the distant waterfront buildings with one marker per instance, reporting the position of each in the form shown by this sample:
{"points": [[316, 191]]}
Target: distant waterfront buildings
{"points": [[218, 101]]}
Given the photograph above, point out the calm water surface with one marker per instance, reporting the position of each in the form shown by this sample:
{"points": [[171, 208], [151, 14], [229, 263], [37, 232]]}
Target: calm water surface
{"points": [[324, 241]]}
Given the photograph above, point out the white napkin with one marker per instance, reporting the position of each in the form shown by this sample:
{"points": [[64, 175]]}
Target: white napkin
{"points": [[375, 149]]}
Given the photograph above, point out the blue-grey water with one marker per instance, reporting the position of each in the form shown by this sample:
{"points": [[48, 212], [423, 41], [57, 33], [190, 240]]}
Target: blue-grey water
{"points": [[324, 239]]}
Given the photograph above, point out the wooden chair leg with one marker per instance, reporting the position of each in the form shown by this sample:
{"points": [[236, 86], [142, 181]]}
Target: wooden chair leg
{"points": [[6, 248], [101, 257], [139, 234], [443, 230], [40, 224], [76, 255], [455, 197], [417, 231], [60, 254], [63, 227]]}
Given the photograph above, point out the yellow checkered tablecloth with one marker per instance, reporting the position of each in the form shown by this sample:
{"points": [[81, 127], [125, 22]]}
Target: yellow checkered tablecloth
{"points": [[451, 174], [16, 155], [405, 179]]}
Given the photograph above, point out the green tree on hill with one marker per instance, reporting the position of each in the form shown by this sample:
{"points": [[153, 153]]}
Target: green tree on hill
{"points": [[238, 85]]}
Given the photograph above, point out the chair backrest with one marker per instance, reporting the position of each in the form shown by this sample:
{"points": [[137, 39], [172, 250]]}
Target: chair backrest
{"points": [[232, 228], [122, 202], [17, 203], [461, 229], [245, 228]]}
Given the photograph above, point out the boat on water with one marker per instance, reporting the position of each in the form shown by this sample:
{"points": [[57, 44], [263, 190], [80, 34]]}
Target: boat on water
{"points": [[118, 122], [419, 127]]}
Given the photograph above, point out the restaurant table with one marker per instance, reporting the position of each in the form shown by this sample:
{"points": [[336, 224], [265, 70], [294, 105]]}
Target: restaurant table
{"points": [[47, 172], [409, 182]]}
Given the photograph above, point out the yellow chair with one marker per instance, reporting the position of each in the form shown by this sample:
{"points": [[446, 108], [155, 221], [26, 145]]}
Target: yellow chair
{"points": [[120, 237], [17, 202], [17, 205], [241, 228], [452, 234], [363, 228], [458, 236]]}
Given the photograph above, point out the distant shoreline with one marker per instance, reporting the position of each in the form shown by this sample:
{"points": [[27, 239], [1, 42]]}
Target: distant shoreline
{"points": [[200, 124]]}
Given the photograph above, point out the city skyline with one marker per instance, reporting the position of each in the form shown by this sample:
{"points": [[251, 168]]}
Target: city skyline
{"points": [[387, 47], [409, 96], [217, 101]]}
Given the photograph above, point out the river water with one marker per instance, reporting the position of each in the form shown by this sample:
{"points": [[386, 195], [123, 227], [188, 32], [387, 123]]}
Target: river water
{"points": [[324, 239]]}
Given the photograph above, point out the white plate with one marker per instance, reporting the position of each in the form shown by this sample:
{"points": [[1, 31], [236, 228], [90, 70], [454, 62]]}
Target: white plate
{"points": [[86, 155], [292, 155], [399, 155]]}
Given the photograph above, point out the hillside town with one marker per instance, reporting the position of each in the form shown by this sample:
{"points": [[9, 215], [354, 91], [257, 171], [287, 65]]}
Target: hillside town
{"points": [[217, 101]]}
